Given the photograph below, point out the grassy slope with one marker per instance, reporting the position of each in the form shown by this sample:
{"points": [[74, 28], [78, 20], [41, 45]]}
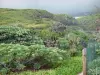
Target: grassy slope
{"points": [[25, 17], [33, 18], [68, 67]]}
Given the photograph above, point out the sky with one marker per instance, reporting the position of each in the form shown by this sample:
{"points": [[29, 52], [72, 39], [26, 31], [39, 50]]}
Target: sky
{"points": [[54, 6]]}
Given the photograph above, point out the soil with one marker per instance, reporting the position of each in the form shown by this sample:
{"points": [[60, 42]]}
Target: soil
{"points": [[80, 73]]}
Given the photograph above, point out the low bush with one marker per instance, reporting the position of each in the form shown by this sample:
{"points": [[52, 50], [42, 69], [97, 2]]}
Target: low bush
{"points": [[68, 67], [63, 43], [17, 57], [18, 35]]}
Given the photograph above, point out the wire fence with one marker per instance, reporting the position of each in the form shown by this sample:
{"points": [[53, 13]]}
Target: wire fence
{"points": [[93, 57]]}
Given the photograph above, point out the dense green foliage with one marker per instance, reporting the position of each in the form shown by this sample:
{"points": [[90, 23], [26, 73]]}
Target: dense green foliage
{"points": [[15, 34], [37, 39], [94, 67], [69, 67], [24, 53], [16, 57]]}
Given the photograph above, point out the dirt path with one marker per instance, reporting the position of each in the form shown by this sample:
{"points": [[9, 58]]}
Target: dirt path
{"points": [[80, 73]]}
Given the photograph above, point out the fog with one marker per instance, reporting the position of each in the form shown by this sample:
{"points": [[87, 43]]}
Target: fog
{"points": [[55, 6]]}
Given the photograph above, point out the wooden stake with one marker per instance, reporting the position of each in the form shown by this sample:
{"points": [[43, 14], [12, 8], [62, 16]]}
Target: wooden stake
{"points": [[84, 61]]}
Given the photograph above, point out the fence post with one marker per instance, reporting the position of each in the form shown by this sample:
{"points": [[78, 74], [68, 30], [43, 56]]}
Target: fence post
{"points": [[84, 61]]}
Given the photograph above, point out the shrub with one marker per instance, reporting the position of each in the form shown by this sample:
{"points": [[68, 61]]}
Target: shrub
{"points": [[74, 39], [73, 51], [63, 43], [94, 67], [17, 57], [14, 34], [68, 67], [48, 56], [58, 27], [47, 34]]}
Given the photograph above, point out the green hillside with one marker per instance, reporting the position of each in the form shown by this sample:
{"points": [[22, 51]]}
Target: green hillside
{"points": [[90, 22], [24, 16], [32, 17], [37, 42]]}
